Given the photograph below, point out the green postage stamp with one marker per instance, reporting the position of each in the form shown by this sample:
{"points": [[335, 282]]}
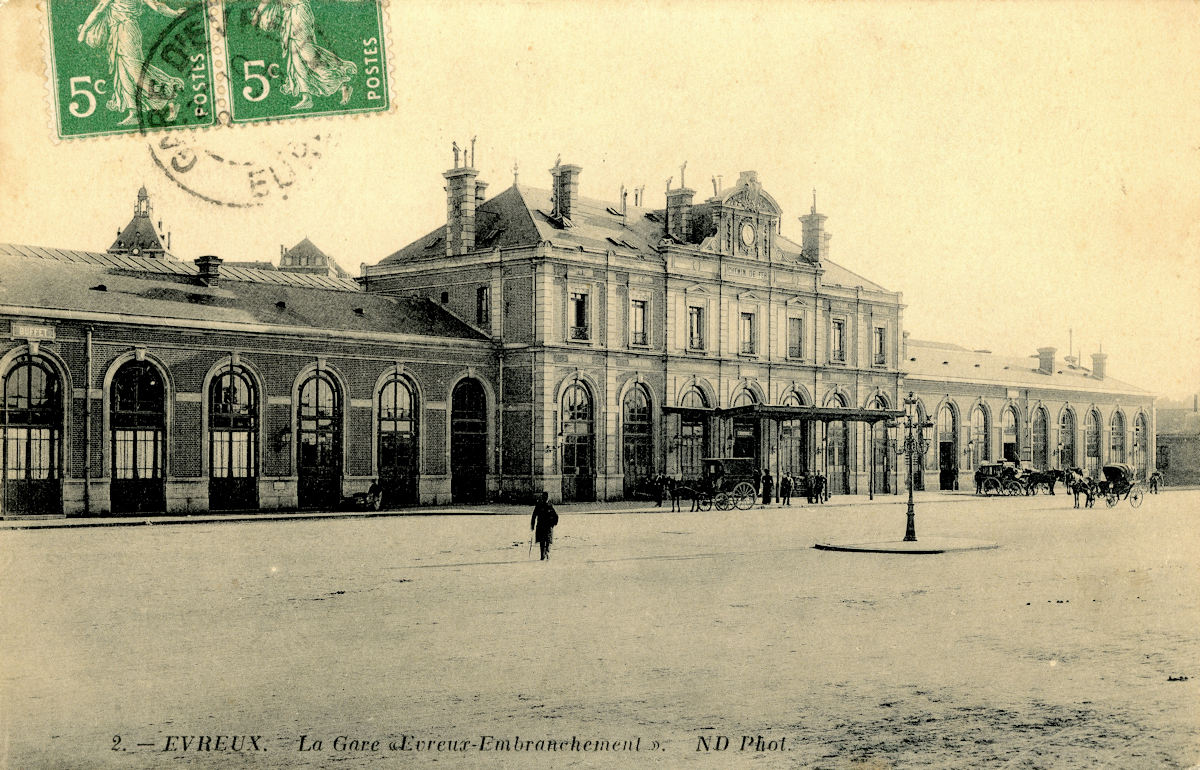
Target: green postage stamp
{"points": [[295, 58], [122, 66]]}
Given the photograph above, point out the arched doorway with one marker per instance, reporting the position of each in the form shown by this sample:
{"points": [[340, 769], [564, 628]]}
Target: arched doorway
{"points": [[693, 434], [1092, 447], [637, 445], [399, 447], [319, 442], [980, 440], [579, 445], [138, 423], [744, 429], [1140, 453], [33, 429], [1010, 435], [881, 451], [793, 441], [1116, 450], [1041, 439], [947, 442], [837, 450], [1067, 457], [232, 441], [468, 442]]}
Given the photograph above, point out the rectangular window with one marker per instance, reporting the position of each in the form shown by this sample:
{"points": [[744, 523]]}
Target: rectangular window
{"points": [[795, 338], [637, 322], [579, 317], [483, 305], [748, 333], [880, 346], [837, 343], [696, 328]]}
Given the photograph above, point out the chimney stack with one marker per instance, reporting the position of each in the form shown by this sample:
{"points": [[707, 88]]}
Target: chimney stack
{"points": [[1098, 360], [1046, 360], [480, 190], [566, 189], [460, 209], [679, 212], [210, 270], [815, 241]]}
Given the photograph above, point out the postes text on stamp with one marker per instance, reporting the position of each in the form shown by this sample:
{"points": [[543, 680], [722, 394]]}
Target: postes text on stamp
{"points": [[298, 58], [124, 66]]}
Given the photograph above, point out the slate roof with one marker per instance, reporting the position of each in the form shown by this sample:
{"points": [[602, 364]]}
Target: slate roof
{"points": [[58, 279], [946, 361], [138, 234], [520, 216]]}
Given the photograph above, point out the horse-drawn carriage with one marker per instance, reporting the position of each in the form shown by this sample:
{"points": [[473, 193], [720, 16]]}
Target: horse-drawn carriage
{"points": [[1120, 483], [726, 483], [1002, 478]]}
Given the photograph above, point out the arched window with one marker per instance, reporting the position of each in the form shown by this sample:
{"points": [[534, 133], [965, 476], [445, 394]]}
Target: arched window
{"points": [[1140, 450], [745, 427], [1067, 456], [398, 445], [881, 454], [319, 439], [1041, 439], [578, 436], [837, 450], [33, 428], [637, 442], [468, 442], [1010, 435], [793, 439], [138, 420], [745, 397], [981, 445], [693, 434], [1116, 450], [1092, 431], [947, 431], [233, 414]]}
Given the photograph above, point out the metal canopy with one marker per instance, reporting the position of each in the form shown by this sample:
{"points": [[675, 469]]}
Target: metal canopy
{"points": [[821, 413]]}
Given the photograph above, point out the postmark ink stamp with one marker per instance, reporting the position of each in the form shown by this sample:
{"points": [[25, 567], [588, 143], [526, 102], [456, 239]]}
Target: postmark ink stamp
{"points": [[129, 66], [301, 58]]}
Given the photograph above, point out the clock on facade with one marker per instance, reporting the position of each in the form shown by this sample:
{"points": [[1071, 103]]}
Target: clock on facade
{"points": [[747, 234]]}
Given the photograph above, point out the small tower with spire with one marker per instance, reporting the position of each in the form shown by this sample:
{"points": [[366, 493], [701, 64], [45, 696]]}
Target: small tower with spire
{"points": [[815, 241], [141, 237]]}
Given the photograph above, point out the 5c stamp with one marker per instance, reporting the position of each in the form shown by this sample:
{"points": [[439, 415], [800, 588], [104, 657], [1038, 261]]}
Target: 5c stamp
{"points": [[297, 58], [124, 66]]}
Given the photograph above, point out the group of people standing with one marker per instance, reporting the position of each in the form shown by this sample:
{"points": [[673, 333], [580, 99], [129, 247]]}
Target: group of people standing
{"points": [[814, 486]]}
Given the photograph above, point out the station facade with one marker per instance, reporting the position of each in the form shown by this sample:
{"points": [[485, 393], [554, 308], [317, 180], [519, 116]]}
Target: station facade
{"points": [[538, 340]]}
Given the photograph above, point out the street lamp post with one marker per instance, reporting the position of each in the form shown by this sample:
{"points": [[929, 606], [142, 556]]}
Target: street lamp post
{"points": [[915, 445]]}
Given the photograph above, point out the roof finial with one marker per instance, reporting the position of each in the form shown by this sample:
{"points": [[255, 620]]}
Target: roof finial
{"points": [[515, 169], [558, 160], [454, 147], [682, 169], [814, 208], [669, 180], [472, 152]]}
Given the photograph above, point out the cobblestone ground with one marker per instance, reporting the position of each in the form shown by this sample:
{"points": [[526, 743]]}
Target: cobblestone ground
{"points": [[1066, 647]]}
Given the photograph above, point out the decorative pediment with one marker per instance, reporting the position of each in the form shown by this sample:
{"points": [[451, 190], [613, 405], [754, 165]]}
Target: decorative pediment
{"points": [[747, 296], [796, 302], [695, 288]]}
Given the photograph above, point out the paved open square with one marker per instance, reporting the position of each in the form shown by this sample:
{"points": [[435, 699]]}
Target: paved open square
{"points": [[658, 639]]}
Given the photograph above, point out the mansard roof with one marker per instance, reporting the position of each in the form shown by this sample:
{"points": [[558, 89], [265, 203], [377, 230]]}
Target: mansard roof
{"points": [[928, 360], [36, 278]]}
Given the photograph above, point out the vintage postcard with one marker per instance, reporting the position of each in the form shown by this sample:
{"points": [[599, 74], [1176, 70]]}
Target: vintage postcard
{"points": [[599, 384]]}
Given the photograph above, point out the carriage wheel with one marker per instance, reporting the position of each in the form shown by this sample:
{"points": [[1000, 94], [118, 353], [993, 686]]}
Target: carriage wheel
{"points": [[744, 496], [725, 501], [1135, 497], [704, 503], [1013, 488], [991, 487], [1110, 500]]}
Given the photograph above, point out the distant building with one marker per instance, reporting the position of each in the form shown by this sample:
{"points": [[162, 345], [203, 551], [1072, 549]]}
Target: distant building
{"points": [[1179, 443], [305, 257]]}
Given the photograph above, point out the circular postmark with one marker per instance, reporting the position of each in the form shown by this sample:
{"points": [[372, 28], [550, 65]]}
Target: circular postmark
{"points": [[193, 142]]}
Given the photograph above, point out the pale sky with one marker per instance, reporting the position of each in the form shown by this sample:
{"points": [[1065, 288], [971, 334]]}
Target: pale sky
{"points": [[1015, 169]]}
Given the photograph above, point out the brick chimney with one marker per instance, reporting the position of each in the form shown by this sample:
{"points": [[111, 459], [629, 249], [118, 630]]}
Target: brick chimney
{"points": [[679, 213], [1046, 360], [210, 270], [566, 189], [480, 191], [460, 210], [1098, 360], [815, 241]]}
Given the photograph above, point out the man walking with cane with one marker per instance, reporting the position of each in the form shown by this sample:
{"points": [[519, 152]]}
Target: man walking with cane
{"points": [[543, 522]]}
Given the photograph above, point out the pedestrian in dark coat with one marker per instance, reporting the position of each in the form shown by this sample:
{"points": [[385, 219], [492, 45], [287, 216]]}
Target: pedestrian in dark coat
{"points": [[543, 522], [768, 487], [785, 490]]}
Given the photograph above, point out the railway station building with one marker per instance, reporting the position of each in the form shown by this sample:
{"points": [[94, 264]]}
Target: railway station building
{"points": [[536, 340]]}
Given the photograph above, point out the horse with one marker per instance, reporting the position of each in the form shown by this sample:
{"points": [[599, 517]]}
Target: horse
{"points": [[1081, 485], [1039, 478], [677, 491]]}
